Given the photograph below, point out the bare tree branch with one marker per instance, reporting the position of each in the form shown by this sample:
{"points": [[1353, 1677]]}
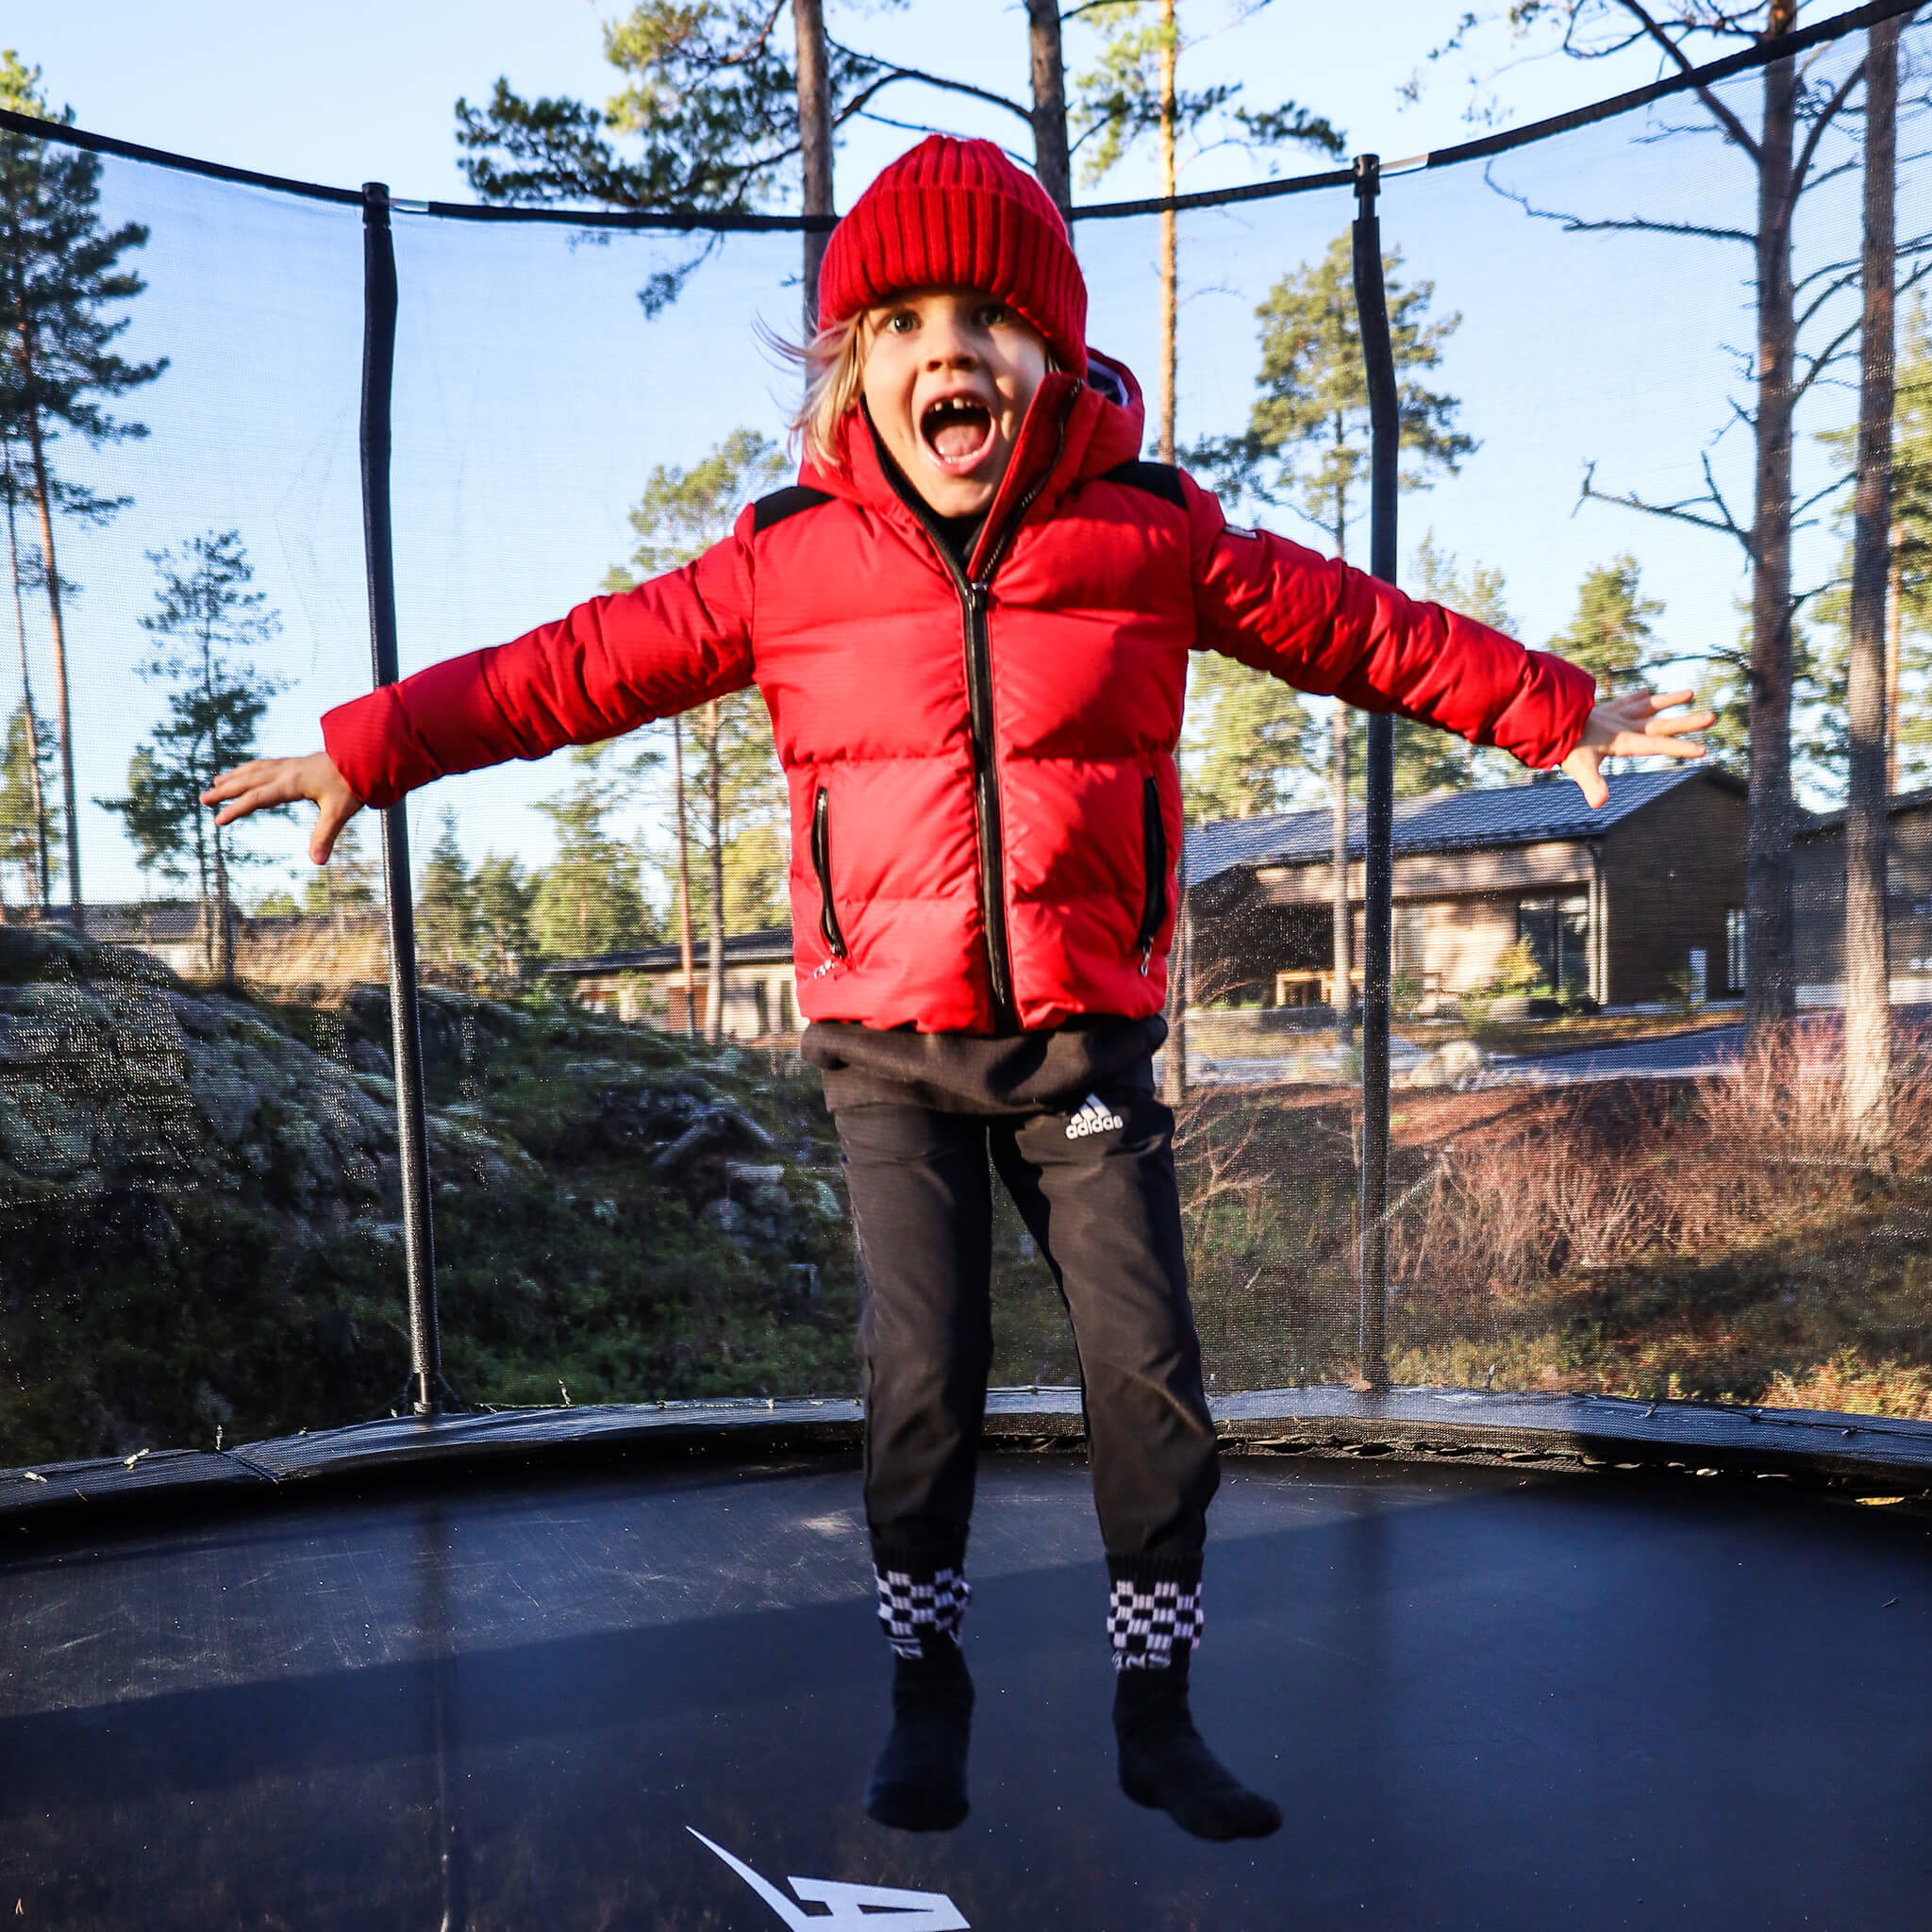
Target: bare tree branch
{"points": [[938, 80], [1683, 512], [1809, 152], [1577, 225], [1720, 113]]}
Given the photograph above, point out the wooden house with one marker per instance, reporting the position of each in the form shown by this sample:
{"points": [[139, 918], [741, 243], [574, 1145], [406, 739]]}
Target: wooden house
{"points": [[1641, 901], [1818, 891]]}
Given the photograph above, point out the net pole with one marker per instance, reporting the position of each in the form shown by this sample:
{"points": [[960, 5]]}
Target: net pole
{"points": [[412, 1137], [1378, 357]]}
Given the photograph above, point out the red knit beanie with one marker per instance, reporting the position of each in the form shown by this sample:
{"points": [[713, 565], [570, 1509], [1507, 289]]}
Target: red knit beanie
{"points": [[958, 215]]}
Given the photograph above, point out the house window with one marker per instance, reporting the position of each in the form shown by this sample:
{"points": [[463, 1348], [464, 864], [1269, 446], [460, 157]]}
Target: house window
{"points": [[1734, 949], [1557, 931]]}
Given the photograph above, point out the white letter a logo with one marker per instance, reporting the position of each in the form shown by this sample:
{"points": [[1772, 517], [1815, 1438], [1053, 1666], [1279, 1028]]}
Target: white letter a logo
{"points": [[853, 1907]]}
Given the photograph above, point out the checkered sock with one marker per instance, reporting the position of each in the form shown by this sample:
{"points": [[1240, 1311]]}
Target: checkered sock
{"points": [[1156, 1622], [1153, 1617], [921, 1605]]}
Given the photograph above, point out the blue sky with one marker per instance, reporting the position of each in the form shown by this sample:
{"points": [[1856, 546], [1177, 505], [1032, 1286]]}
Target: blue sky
{"points": [[532, 399]]}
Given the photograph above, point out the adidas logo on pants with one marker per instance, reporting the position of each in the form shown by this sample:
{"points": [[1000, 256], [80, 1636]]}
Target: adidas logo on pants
{"points": [[1094, 1117]]}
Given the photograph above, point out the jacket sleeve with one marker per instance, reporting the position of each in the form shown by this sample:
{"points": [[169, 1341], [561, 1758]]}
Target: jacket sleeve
{"points": [[612, 664], [1319, 625]]}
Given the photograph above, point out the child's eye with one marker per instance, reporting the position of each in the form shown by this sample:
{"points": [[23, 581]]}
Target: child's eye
{"points": [[995, 315], [902, 322]]}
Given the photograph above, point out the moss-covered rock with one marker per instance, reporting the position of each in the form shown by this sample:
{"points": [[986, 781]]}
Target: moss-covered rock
{"points": [[200, 1209]]}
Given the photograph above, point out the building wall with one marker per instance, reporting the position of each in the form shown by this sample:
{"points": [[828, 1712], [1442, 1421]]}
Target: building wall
{"points": [[759, 999], [1670, 874], [1531, 869], [1464, 940], [1819, 890]]}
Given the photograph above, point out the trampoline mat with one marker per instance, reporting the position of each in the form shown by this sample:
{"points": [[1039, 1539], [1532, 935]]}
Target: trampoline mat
{"points": [[1481, 1699]]}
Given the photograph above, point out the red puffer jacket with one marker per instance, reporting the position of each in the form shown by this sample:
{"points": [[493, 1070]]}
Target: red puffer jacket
{"points": [[986, 809]]}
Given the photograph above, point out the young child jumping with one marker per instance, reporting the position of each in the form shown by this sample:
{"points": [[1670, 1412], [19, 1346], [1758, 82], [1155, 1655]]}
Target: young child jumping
{"points": [[970, 620]]}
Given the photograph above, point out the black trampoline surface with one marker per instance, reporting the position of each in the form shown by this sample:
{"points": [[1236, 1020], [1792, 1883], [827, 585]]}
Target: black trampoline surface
{"points": [[1482, 1699]]}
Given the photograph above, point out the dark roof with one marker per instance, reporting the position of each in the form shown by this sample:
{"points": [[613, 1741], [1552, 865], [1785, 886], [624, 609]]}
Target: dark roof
{"points": [[1816, 824], [1447, 822], [771, 947]]}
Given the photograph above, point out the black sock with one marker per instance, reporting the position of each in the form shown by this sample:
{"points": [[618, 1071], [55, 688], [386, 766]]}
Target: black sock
{"points": [[1166, 1765], [919, 1783], [1153, 1621]]}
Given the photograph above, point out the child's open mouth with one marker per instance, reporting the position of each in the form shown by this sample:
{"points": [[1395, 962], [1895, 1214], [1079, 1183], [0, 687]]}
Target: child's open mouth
{"points": [[956, 431]]}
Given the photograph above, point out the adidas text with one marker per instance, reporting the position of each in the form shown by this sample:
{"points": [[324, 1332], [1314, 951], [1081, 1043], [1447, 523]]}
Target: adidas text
{"points": [[1094, 1117]]}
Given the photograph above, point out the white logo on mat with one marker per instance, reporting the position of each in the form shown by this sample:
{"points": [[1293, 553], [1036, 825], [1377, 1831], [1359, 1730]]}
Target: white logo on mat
{"points": [[1094, 1117], [875, 1906]]}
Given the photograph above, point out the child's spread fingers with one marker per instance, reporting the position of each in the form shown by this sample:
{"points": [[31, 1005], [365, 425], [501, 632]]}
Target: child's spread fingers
{"points": [[1690, 721], [1643, 744], [230, 783]]}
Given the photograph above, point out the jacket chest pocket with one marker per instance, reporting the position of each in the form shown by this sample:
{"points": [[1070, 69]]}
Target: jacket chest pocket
{"points": [[822, 865], [1154, 858]]}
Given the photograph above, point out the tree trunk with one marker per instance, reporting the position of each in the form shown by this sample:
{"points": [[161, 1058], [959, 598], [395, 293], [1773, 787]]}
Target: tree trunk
{"points": [[1868, 976], [26, 685], [1169, 51], [814, 142], [1052, 159], [1174, 1071], [43, 500], [224, 919], [1894, 625], [714, 978], [208, 946], [1771, 990], [690, 1001]]}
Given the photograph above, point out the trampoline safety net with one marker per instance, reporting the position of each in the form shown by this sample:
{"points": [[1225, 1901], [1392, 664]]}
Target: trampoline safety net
{"points": [[1611, 1171]]}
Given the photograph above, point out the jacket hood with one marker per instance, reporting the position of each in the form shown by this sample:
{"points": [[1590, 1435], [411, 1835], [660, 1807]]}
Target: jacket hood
{"points": [[1104, 417]]}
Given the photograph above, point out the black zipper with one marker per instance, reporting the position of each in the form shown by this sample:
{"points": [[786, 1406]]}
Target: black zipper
{"points": [[1154, 896], [986, 793], [821, 864]]}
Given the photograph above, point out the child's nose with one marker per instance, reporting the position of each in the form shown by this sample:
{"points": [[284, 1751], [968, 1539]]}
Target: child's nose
{"points": [[950, 348]]}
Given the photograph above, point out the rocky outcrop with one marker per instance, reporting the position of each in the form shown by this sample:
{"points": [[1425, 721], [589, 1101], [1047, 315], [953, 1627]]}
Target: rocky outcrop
{"points": [[200, 1208], [115, 1078]]}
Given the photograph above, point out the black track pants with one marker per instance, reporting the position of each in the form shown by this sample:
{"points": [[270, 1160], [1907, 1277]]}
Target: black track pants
{"points": [[1101, 1202]]}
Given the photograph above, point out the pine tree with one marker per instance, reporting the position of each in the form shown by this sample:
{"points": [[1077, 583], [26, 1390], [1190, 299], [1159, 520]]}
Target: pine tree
{"points": [[1612, 636], [21, 569], [157, 814], [502, 895], [588, 900], [1427, 760], [26, 757], [721, 116], [61, 275], [1307, 444], [348, 883], [446, 923], [1249, 741], [681, 515], [206, 622], [1132, 93]]}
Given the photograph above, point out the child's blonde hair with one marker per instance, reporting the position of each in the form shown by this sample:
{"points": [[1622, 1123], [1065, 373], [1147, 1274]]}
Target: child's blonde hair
{"points": [[834, 365]]}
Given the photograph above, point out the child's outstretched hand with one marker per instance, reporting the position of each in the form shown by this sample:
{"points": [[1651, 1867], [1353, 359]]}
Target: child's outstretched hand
{"points": [[1629, 728], [264, 782]]}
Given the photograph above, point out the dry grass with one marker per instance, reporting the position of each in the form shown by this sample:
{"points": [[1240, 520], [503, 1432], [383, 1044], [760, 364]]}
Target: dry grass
{"points": [[1721, 1238], [354, 954]]}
